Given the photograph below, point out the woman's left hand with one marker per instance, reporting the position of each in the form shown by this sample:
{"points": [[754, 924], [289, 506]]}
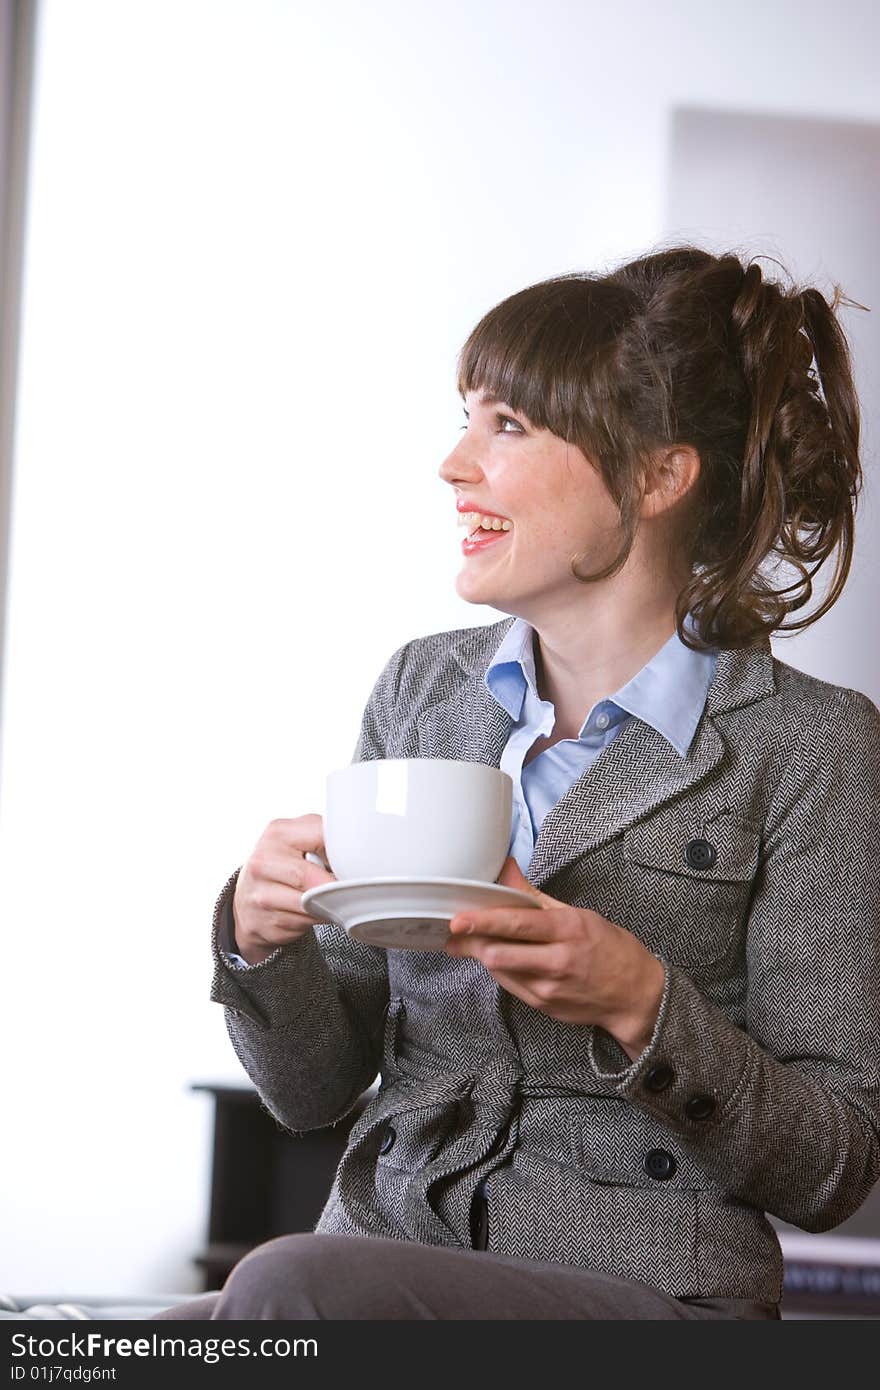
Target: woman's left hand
{"points": [[568, 961]]}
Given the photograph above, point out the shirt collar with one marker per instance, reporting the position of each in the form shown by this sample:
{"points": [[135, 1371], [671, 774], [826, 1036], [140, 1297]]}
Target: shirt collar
{"points": [[669, 692]]}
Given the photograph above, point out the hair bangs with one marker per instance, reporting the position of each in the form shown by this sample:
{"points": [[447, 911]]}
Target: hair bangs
{"points": [[543, 351]]}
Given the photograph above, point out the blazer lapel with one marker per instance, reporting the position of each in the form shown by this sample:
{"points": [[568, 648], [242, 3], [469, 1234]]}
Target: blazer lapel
{"points": [[635, 774], [470, 725]]}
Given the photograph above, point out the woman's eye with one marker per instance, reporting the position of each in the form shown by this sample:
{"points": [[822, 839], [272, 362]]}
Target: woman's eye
{"points": [[502, 421]]}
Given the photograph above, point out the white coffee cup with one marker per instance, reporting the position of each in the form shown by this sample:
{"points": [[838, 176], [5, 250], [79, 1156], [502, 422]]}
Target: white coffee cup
{"points": [[418, 818]]}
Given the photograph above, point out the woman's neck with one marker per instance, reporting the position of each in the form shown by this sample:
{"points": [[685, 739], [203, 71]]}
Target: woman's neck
{"points": [[579, 664]]}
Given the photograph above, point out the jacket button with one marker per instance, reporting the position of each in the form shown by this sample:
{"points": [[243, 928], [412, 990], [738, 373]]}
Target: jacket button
{"points": [[659, 1077], [660, 1164], [390, 1136], [699, 1107], [699, 854]]}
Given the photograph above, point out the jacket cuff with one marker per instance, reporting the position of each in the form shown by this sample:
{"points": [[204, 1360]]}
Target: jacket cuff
{"points": [[695, 1068], [274, 993], [608, 1059]]}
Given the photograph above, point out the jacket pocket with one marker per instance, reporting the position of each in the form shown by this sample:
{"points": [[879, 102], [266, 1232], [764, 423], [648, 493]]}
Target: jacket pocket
{"points": [[421, 1121], [735, 847], [410, 1139], [690, 884], [614, 1143]]}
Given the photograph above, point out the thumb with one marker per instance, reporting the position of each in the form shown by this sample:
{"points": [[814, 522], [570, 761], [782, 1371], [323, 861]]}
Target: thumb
{"points": [[511, 876]]}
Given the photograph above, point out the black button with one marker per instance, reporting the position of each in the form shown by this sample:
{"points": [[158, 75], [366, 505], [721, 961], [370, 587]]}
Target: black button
{"points": [[660, 1164], [389, 1139], [659, 1077], [699, 854], [699, 1107]]}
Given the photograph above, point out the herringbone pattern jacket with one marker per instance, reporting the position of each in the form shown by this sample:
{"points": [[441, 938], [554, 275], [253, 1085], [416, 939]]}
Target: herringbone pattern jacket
{"points": [[771, 1008]]}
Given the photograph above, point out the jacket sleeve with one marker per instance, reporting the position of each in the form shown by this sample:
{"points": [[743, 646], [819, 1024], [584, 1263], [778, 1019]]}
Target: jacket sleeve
{"points": [[307, 1022], [786, 1113]]}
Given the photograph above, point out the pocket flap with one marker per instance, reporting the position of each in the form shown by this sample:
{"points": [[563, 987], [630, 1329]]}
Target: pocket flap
{"points": [[411, 1139], [615, 1143], [668, 844]]}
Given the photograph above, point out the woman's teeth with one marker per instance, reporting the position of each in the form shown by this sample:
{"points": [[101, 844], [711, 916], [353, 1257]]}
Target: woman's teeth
{"points": [[475, 521]]}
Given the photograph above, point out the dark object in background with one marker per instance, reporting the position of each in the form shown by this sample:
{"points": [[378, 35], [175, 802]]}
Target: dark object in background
{"points": [[265, 1182]]}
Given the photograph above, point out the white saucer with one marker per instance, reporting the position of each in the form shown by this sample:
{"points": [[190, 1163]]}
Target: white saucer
{"points": [[411, 913]]}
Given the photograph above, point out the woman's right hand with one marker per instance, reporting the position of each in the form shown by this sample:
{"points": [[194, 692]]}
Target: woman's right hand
{"points": [[266, 907]]}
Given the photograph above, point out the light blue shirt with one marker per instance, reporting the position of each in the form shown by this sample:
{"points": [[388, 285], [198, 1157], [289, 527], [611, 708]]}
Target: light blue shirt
{"points": [[669, 693]]}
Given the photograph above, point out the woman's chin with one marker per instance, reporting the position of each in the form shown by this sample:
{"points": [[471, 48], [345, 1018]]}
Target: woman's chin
{"points": [[473, 588]]}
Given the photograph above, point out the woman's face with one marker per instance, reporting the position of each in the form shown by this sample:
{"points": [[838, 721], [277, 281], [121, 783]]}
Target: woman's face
{"points": [[555, 499]]}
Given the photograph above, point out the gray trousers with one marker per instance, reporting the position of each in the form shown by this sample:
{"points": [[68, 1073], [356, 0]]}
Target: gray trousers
{"points": [[321, 1276]]}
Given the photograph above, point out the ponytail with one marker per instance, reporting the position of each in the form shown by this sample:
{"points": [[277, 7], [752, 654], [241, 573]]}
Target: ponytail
{"points": [[801, 475]]}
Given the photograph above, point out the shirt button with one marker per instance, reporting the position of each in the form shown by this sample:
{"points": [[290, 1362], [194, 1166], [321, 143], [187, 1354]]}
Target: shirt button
{"points": [[602, 721], [699, 1107]]}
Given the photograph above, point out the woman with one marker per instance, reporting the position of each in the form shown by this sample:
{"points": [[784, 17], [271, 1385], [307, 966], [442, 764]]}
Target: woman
{"points": [[588, 1107]]}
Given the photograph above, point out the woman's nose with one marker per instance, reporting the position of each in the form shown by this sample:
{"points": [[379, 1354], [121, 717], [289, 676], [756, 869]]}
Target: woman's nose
{"points": [[460, 463]]}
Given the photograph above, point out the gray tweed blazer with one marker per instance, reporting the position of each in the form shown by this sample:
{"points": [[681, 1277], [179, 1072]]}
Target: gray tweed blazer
{"points": [[760, 1089]]}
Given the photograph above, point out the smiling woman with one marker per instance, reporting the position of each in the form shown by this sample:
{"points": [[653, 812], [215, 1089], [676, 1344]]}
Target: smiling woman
{"points": [[589, 1106]]}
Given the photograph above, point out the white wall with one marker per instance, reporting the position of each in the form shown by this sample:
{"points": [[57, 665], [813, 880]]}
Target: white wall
{"points": [[259, 234], [822, 221]]}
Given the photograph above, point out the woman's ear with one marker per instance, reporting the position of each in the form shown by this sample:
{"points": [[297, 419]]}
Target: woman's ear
{"points": [[672, 475]]}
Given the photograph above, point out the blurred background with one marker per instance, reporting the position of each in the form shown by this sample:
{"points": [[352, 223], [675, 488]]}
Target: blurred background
{"points": [[242, 245]]}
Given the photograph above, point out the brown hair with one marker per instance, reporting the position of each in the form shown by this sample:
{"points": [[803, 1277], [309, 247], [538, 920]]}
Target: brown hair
{"points": [[683, 347]]}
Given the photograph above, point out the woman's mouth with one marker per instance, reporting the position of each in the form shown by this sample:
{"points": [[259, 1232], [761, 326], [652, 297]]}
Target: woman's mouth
{"points": [[481, 540], [484, 531]]}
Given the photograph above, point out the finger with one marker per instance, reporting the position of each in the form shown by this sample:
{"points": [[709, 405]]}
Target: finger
{"points": [[534, 959], [288, 871], [518, 985], [291, 872], [512, 876], [276, 898], [301, 833], [283, 888], [515, 924]]}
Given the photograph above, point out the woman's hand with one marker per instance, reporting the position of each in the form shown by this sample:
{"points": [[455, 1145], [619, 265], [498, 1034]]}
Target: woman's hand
{"points": [[267, 904], [568, 961]]}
